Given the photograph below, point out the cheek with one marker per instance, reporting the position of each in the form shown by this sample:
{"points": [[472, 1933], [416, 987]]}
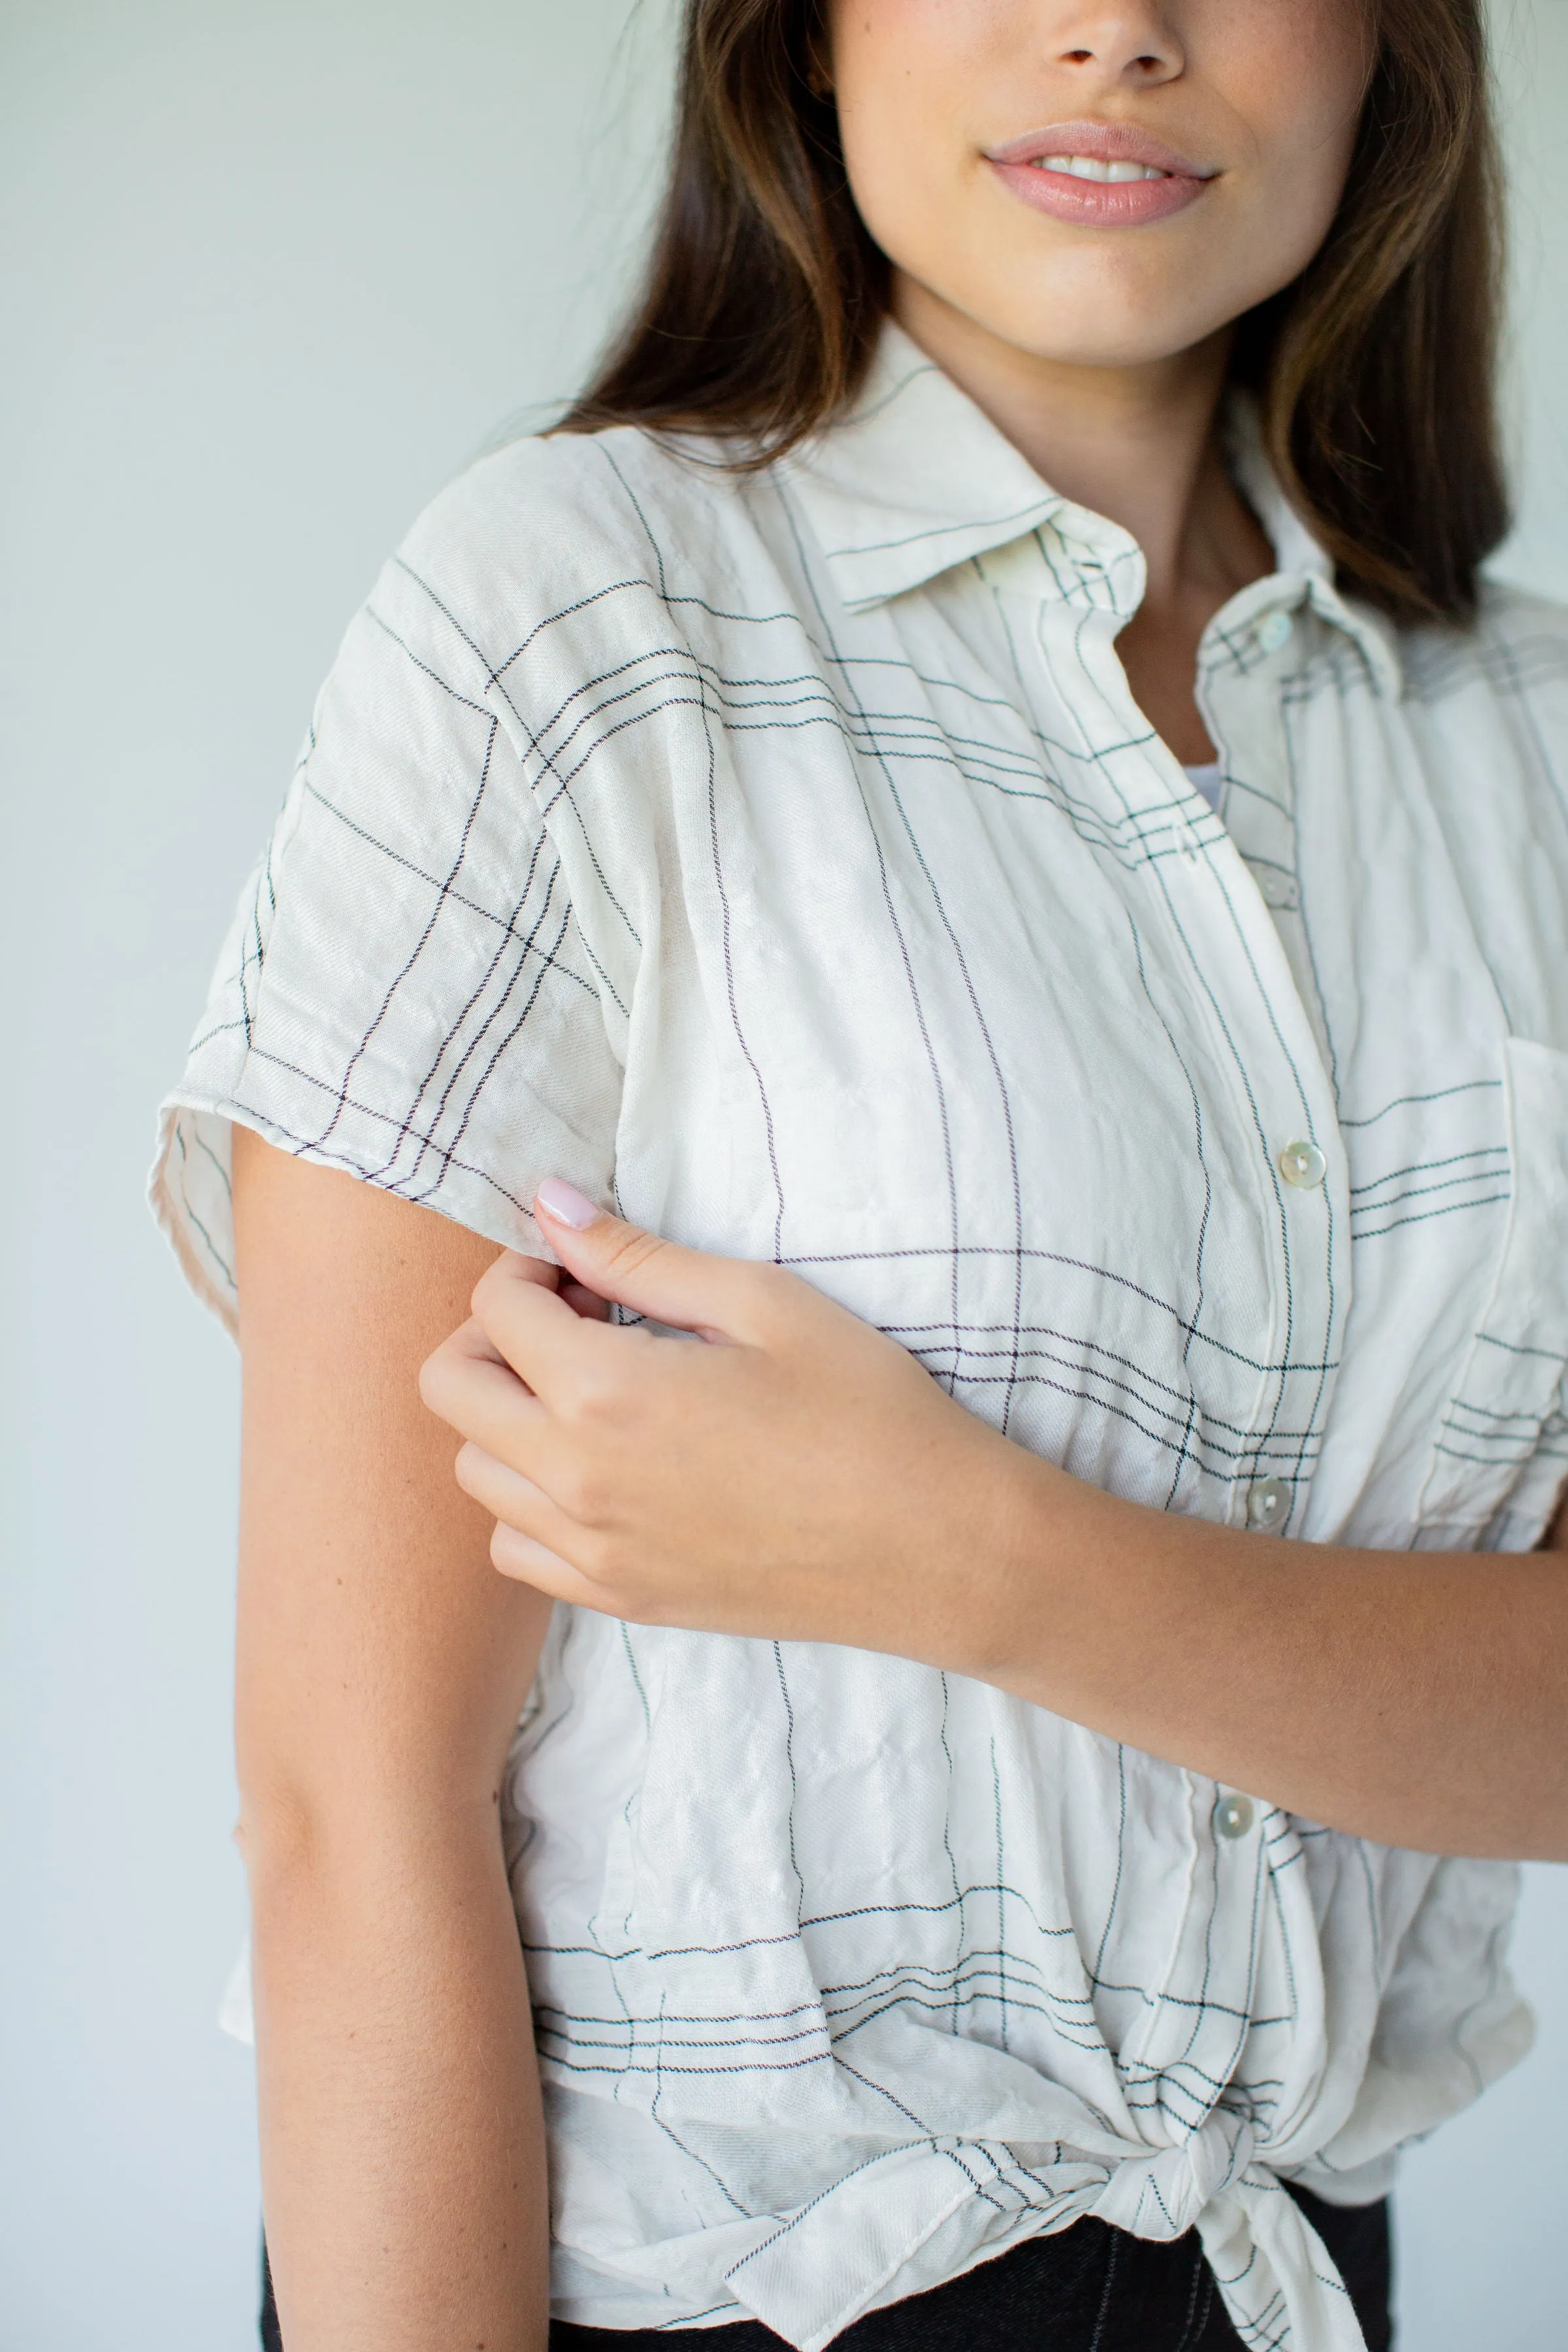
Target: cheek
{"points": [[1289, 77], [1294, 73], [902, 71]]}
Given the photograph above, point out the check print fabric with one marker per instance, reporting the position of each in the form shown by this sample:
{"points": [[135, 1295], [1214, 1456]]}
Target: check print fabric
{"points": [[784, 856]]}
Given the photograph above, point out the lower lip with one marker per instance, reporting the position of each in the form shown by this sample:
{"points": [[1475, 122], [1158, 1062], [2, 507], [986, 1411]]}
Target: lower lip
{"points": [[1100, 204]]}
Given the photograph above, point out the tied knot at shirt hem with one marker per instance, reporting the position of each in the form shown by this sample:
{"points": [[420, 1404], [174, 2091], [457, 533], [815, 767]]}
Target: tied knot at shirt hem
{"points": [[870, 2239]]}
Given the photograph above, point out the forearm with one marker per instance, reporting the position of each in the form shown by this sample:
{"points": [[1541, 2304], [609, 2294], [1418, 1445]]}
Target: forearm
{"points": [[403, 2154], [802, 1478], [1420, 1699], [381, 1669]]}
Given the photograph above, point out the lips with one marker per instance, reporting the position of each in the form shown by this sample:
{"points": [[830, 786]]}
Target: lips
{"points": [[1100, 174]]}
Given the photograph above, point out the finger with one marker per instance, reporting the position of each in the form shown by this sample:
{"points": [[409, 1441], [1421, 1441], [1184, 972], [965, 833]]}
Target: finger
{"points": [[466, 1383], [507, 1493], [533, 1563], [531, 1269], [547, 1342], [470, 1338], [690, 1290]]}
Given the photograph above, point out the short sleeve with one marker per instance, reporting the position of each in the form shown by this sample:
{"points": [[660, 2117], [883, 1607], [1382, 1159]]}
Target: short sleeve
{"points": [[404, 992]]}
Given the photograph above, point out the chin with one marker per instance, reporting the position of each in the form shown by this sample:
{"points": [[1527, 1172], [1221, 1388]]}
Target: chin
{"points": [[1087, 316], [1080, 335]]}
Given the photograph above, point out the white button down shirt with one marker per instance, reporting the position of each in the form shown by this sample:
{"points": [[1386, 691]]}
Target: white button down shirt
{"points": [[786, 856]]}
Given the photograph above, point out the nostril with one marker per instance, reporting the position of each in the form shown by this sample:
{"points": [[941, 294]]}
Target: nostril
{"points": [[1080, 57]]}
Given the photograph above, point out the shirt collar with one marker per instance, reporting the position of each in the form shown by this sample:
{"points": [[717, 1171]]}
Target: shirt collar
{"points": [[913, 480], [1304, 572], [916, 479]]}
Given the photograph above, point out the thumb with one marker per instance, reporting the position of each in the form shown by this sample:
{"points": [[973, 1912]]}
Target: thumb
{"points": [[690, 1290]]}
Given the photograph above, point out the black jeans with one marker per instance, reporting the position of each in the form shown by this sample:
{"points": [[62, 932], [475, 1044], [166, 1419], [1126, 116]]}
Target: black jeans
{"points": [[1088, 2289]]}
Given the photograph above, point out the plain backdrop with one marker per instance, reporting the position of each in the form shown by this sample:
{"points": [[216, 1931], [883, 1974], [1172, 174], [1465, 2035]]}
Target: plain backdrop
{"points": [[270, 273]]}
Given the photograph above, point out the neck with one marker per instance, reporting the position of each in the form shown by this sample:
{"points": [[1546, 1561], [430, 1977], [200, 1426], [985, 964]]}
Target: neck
{"points": [[1135, 443]]}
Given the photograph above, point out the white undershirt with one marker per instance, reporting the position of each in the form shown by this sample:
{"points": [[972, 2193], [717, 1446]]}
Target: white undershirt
{"points": [[1208, 776]]}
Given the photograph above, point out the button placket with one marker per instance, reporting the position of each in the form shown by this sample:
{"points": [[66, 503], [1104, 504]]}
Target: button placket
{"points": [[1305, 1168], [1265, 1034], [1282, 1055]]}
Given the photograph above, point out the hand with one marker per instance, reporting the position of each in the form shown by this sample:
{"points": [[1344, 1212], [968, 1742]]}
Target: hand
{"points": [[792, 1473]]}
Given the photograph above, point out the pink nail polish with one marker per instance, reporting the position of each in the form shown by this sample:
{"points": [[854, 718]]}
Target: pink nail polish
{"points": [[566, 1203]]}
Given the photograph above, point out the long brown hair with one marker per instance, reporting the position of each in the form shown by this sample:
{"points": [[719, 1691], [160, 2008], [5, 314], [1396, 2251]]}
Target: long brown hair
{"points": [[1375, 371]]}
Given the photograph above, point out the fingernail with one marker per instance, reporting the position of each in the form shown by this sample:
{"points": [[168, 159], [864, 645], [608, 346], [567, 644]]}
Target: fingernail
{"points": [[566, 1203]]}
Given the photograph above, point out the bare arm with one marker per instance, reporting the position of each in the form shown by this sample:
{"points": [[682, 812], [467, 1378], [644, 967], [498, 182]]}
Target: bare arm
{"points": [[382, 1667], [803, 1478], [1420, 1699]]}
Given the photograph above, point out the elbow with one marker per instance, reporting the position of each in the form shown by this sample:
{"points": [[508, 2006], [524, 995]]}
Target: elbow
{"points": [[354, 1837], [286, 1840]]}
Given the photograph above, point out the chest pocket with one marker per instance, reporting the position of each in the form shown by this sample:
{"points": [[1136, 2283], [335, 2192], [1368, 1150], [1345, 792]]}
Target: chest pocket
{"points": [[1502, 1453]]}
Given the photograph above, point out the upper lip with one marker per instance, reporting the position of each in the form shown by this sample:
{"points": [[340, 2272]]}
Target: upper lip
{"points": [[1108, 142]]}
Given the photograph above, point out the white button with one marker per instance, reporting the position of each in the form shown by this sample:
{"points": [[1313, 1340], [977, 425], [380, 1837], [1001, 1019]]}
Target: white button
{"points": [[1233, 1816], [1303, 1165], [1268, 1503], [1278, 888], [1274, 630]]}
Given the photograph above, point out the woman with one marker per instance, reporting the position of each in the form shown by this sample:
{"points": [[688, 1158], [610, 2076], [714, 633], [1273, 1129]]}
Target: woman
{"points": [[970, 772]]}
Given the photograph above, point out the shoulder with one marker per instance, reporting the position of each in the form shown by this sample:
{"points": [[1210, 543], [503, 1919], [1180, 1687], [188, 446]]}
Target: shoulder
{"points": [[1486, 709], [1516, 651], [1520, 614], [566, 547], [562, 507]]}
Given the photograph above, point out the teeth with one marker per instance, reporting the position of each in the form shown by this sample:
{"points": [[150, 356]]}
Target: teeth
{"points": [[1094, 167]]}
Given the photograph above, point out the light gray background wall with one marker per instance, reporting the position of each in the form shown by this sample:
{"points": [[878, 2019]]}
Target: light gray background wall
{"points": [[270, 273]]}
